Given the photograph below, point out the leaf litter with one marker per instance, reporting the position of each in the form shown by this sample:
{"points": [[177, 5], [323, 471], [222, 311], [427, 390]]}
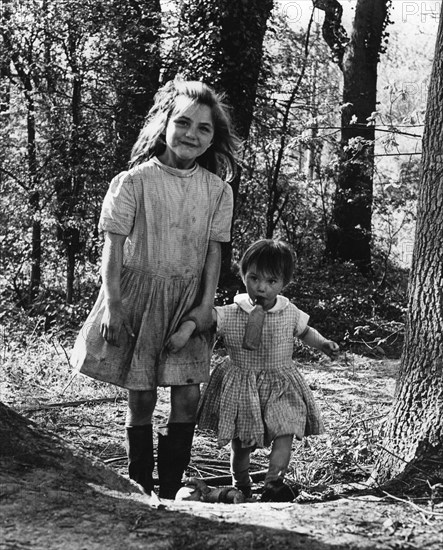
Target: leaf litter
{"points": [[354, 394]]}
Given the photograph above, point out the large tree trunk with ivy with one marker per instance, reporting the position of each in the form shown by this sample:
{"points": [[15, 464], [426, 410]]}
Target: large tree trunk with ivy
{"points": [[226, 49], [224, 42], [349, 235], [413, 440], [137, 50]]}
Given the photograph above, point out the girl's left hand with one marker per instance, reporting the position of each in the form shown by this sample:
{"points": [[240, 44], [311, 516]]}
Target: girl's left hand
{"points": [[331, 349]]}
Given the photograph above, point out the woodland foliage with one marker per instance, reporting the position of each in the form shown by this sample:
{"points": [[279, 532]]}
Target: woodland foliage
{"points": [[77, 78]]}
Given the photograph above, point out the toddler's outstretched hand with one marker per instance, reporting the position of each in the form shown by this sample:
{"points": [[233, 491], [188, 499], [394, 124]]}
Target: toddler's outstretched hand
{"points": [[331, 349]]}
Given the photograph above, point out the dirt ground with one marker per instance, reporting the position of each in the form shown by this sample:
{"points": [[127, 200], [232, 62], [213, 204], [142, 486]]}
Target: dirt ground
{"points": [[94, 506]]}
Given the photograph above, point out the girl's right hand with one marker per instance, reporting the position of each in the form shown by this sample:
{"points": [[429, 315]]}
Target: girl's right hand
{"points": [[114, 319]]}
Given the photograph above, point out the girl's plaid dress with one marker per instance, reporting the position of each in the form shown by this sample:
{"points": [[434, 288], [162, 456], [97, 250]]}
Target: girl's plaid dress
{"points": [[258, 395]]}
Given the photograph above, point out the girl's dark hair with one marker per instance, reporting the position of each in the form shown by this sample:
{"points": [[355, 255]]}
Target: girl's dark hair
{"points": [[270, 256], [220, 158]]}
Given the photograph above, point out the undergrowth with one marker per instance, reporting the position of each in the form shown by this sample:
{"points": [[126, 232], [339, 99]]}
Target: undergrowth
{"points": [[363, 316], [37, 380]]}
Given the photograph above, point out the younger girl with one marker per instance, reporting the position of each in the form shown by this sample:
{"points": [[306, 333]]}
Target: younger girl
{"points": [[164, 220], [257, 398]]}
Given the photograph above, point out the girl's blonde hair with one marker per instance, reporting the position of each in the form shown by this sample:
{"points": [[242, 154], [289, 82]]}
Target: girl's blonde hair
{"points": [[220, 158]]}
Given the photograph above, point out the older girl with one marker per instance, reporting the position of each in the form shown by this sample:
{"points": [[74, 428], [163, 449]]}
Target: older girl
{"points": [[164, 220]]}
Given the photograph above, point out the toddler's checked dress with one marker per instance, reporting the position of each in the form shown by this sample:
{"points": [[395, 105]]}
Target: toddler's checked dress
{"points": [[258, 395], [169, 216]]}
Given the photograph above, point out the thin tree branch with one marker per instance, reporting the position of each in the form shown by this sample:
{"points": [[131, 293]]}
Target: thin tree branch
{"points": [[333, 31]]}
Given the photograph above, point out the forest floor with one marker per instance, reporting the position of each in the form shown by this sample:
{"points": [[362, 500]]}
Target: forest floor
{"points": [[63, 508]]}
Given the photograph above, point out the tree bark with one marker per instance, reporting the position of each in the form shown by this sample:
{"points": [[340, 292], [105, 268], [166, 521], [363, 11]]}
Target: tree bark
{"points": [[349, 236], [34, 201], [243, 31], [229, 59], [70, 194], [413, 440], [5, 84], [137, 29]]}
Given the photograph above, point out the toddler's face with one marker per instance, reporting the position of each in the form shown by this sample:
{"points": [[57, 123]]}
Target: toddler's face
{"points": [[263, 287]]}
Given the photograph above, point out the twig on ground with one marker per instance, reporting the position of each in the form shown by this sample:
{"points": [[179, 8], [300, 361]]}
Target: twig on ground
{"points": [[76, 403], [71, 379], [64, 351], [209, 470], [415, 506], [226, 480], [115, 459]]}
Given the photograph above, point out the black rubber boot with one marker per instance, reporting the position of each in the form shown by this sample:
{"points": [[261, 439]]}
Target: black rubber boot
{"points": [[246, 490], [174, 454], [278, 491], [140, 451]]}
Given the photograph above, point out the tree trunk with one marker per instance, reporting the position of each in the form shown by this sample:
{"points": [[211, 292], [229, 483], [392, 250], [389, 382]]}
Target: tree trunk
{"points": [[230, 62], [349, 236], [413, 440], [243, 27], [5, 85], [34, 201], [71, 237], [71, 234], [70, 184], [137, 27]]}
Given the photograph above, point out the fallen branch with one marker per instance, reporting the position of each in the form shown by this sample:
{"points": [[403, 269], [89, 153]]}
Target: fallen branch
{"points": [[210, 480], [115, 459], [415, 506], [74, 403], [227, 480]]}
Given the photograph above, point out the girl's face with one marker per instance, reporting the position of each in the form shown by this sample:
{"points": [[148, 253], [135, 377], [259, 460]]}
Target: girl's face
{"points": [[263, 287], [189, 133]]}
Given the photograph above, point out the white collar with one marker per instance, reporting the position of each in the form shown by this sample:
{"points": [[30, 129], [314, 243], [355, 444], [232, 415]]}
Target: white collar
{"points": [[243, 301]]}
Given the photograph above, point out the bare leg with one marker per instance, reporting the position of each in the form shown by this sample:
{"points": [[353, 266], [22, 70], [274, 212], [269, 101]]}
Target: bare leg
{"points": [[279, 458], [240, 461], [275, 490], [141, 405], [184, 403]]}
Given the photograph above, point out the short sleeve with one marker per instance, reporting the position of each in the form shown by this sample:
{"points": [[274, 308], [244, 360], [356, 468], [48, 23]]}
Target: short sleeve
{"points": [[220, 313], [119, 206], [301, 321], [221, 221]]}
